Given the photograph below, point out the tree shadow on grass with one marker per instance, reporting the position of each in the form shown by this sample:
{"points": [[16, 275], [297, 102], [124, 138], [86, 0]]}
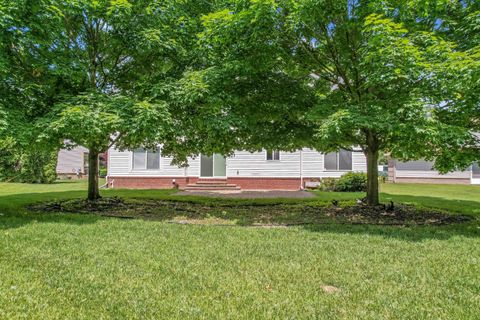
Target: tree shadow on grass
{"points": [[239, 213], [404, 233], [450, 205], [14, 214], [18, 221], [415, 233]]}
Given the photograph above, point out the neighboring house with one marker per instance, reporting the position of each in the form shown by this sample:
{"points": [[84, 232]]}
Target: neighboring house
{"points": [[72, 163], [422, 172], [246, 170]]}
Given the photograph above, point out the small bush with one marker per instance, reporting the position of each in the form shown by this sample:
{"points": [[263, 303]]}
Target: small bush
{"points": [[383, 176], [328, 184], [352, 182], [102, 172]]}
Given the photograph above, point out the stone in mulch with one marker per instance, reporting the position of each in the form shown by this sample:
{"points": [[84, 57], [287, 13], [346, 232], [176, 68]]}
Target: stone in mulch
{"points": [[329, 289]]}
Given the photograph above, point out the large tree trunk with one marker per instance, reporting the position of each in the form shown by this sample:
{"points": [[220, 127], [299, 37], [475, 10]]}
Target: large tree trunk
{"points": [[93, 190], [372, 177]]}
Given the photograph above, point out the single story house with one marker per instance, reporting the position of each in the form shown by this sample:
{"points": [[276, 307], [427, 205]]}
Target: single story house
{"points": [[72, 163], [264, 170], [421, 171]]}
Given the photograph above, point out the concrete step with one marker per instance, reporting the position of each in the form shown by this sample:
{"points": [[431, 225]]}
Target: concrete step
{"points": [[211, 182], [212, 190], [211, 187], [224, 186]]}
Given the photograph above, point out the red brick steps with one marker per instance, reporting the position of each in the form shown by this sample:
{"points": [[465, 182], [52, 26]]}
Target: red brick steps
{"points": [[211, 185]]}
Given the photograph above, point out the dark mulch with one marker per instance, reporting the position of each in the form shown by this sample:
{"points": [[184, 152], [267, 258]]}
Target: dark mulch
{"points": [[254, 214], [270, 194]]}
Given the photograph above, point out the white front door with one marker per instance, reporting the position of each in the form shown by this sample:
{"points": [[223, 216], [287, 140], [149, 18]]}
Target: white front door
{"points": [[213, 166]]}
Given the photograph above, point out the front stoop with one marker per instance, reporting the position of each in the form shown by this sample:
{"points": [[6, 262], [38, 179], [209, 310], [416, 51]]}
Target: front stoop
{"points": [[212, 185]]}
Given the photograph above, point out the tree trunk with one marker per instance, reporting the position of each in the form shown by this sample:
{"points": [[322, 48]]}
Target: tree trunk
{"points": [[372, 177], [93, 190]]}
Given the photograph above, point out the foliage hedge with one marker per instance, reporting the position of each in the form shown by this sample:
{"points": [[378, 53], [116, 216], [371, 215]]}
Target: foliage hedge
{"points": [[352, 182], [349, 182], [102, 172], [32, 164]]}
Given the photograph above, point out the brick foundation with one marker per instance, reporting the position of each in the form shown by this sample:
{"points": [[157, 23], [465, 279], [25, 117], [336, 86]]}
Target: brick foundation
{"points": [[266, 183], [150, 182], [259, 183], [432, 180]]}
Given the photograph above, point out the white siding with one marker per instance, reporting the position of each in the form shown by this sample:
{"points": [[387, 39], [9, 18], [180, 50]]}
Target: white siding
{"points": [[70, 161], [432, 174], [359, 161], [247, 164], [313, 165], [241, 164], [193, 169], [120, 164], [411, 170]]}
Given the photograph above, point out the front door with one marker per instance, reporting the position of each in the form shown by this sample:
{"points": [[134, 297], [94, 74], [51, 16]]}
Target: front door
{"points": [[476, 173], [213, 166]]}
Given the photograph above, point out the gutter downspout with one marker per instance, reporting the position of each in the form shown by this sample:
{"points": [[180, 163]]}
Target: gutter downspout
{"points": [[394, 171], [301, 169], [471, 174]]}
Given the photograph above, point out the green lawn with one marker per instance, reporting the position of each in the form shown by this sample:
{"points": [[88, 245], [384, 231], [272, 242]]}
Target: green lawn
{"points": [[56, 266]]}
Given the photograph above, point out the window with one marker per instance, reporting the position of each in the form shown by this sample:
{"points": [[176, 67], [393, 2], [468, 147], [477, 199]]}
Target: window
{"points": [[139, 159], [345, 160], [146, 159], [331, 160], [273, 155], [338, 161]]}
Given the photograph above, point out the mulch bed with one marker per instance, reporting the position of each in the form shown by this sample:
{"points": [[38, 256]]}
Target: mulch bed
{"points": [[253, 214]]}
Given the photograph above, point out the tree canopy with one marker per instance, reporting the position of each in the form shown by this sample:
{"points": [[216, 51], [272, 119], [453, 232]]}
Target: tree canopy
{"points": [[336, 74], [103, 70], [400, 77]]}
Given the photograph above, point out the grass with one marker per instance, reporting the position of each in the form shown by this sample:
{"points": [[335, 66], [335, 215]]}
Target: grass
{"points": [[87, 267], [454, 198]]}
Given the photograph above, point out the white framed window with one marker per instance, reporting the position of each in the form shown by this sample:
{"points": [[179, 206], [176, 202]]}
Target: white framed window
{"points": [[272, 155], [338, 161], [144, 159]]}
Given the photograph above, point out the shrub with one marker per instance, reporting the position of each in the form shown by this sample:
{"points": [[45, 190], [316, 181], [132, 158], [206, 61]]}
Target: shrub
{"points": [[352, 182], [383, 176], [38, 166], [328, 184], [102, 172], [30, 163]]}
